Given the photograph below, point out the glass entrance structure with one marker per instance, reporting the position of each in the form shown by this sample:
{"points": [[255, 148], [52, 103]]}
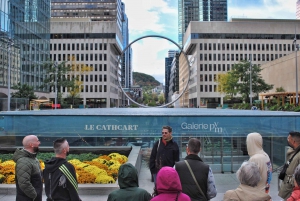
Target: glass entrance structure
{"points": [[222, 132]]}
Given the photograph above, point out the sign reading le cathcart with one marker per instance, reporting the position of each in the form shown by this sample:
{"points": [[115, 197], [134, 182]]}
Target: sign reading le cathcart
{"points": [[111, 127]]}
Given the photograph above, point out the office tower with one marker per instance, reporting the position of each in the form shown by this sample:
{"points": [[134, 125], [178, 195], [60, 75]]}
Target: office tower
{"points": [[298, 9], [199, 10], [168, 65], [216, 46], [93, 36], [24, 43]]}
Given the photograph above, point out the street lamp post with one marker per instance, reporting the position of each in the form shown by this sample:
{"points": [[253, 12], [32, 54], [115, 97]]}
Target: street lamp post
{"points": [[250, 60], [296, 50], [10, 43], [55, 80]]}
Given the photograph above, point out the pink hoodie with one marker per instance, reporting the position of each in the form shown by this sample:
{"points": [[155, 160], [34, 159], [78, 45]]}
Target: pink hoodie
{"points": [[168, 186]]}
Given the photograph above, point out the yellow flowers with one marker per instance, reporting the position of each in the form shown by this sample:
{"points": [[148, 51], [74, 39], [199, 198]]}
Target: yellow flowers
{"points": [[101, 170]]}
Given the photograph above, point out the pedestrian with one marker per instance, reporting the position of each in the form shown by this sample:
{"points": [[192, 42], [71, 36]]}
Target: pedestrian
{"points": [[196, 177], [168, 186], [165, 152], [292, 154], [28, 177], [249, 177], [257, 155], [296, 190], [59, 175], [129, 186]]}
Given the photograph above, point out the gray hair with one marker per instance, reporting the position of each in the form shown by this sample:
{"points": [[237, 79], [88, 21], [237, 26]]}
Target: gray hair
{"points": [[58, 145], [248, 174]]}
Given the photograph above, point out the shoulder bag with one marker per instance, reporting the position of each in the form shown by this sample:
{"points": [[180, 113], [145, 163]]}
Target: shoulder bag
{"points": [[188, 165], [282, 173]]}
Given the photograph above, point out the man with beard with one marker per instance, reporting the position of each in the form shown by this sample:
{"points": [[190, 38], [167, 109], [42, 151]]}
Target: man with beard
{"points": [[287, 184], [28, 172], [59, 175]]}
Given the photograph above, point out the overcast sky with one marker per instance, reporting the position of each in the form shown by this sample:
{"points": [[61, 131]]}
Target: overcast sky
{"points": [[160, 17]]}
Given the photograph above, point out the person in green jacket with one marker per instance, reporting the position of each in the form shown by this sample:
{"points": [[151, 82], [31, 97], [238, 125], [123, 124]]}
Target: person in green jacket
{"points": [[129, 186], [29, 183]]}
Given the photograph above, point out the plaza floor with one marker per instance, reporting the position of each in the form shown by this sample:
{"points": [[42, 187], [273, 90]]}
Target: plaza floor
{"points": [[223, 182]]}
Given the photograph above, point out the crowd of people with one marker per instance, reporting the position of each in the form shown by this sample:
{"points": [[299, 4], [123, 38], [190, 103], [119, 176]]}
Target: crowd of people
{"points": [[187, 180]]}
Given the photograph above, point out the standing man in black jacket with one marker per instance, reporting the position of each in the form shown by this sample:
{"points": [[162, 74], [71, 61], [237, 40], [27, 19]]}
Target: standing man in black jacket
{"points": [[165, 152], [59, 175], [202, 173]]}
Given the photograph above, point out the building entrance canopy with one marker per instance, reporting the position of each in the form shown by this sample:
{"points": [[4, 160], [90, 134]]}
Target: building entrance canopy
{"points": [[130, 122], [222, 132]]}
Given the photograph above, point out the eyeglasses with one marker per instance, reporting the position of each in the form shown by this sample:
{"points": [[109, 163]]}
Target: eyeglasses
{"points": [[164, 132]]}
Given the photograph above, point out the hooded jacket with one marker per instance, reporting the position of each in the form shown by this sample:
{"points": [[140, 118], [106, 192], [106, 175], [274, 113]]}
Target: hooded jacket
{"points": [[129, 186], [261, 159], [168, 186], [28, 176], [246, 193], [58, 186]]}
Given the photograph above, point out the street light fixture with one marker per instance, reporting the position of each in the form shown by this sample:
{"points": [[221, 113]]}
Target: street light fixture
{"points": [[296, 50], [55, 80]]}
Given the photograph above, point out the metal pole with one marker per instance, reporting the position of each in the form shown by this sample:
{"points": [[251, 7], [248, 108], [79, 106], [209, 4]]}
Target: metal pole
{"points": [[296, 49], [55, 79], [8, 74], [250, 81]]}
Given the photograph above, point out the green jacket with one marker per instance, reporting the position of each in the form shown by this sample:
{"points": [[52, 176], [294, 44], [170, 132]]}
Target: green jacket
{"points": [[129, 186], [287, 184], [28, 176]]}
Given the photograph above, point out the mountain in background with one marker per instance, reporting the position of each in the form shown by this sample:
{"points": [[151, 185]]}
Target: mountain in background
{"points": [[143, 80]]}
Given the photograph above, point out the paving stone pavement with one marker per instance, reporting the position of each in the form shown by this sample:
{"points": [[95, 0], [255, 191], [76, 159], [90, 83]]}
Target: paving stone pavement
{"points": [[224, 182]]}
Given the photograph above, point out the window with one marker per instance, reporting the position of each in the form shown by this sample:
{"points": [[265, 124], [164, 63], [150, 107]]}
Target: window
{"points": [[91, 88], [209, 46], [91, 46], [96, 88], [64, 47], [59, 46], [86, 78], [201, 78], [205, 78], [69, 46], [201, 67], [100, 67], [100, 88], [254, 46], [201, 57], [104, 47], [100, 78], [232, 46], [214, 46], [104, 78], [210, 77], [86, 88], [200, 46], [105, 88], [201, 88], [104, 57], [86, 46], [96, 48], [105, 69], [91, 78], [73, 46], [91, 57], [205, 46]]}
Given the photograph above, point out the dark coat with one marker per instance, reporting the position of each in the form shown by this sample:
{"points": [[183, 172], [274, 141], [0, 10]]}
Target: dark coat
{"points": [[164, 155], [200, 170], [60, 187], [129, 186], [28, 176]]}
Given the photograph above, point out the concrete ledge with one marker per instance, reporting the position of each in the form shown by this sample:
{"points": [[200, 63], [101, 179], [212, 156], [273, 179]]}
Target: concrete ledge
{"points": [[135, 158]]}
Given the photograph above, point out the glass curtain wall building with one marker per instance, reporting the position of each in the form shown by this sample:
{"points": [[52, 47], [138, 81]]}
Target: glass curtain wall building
{"points": [[199, 10], [24, 41]]}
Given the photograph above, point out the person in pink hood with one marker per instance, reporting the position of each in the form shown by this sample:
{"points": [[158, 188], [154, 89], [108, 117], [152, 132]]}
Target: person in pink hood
{"points": [[296, 190], [168, 186]]}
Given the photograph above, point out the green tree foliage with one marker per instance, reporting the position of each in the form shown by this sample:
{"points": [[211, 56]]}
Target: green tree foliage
{"points": [[23, 91], [63, 79], [143, 79], [227, 84], [242, 71], [280, 89], [161, 98]]}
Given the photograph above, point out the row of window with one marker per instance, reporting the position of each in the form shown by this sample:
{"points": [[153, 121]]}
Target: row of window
{"points": [[242, 36], [88, 88], [78, 46], [208, 88], [239, 57], [82, 35], [79, 57], [243, 46]]}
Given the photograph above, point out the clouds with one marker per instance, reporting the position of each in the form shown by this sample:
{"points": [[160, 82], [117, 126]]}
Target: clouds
{"points": [[160, 17], [274, 9]]}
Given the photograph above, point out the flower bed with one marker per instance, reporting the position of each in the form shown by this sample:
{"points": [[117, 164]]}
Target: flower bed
{"points": [[101, 170]]}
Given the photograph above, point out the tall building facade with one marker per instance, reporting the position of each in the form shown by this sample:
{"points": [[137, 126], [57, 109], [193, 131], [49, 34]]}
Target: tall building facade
{"points": [[174, 77], [298, 9], [216, 46], [93, 35], [168, 65], [199, 10], [24, 43]]}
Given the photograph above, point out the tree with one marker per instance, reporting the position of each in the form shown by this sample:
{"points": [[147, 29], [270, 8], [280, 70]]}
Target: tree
{"points": [[280, 89], [58, 73], [77, 70], [23, 91], [227, 84], [161, 98], [242, 71]]}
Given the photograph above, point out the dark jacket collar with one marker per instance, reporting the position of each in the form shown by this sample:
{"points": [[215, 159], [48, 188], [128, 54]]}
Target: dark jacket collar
{"points": [[193, 157]]}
